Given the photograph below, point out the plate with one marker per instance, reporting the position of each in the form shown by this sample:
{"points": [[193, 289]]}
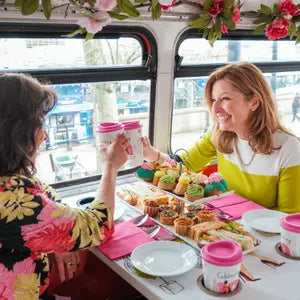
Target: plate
{"points": [[164, 258], [264, 219]]}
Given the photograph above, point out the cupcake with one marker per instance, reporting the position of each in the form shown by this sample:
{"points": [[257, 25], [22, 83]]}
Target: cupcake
{"points": [[214, 185], [194, 192], [177, 204], [195, 208], [192, 216], [157, 175], [168, 217], [146, 172], [167, 182], [151, 208], [182, 184], [199, 178], [206, 215], [182, 225]]}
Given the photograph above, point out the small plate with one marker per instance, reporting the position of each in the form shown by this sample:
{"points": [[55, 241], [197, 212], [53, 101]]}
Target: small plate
{"points": [[164, 258], [263, 219]]}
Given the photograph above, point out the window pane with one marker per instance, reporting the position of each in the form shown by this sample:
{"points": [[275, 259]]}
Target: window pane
{"points": [[70, 151], [198, 51], [73, 53]]}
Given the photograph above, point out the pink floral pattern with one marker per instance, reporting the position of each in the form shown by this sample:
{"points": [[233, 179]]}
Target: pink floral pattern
{"points": [[277, 30], [47, 226]]}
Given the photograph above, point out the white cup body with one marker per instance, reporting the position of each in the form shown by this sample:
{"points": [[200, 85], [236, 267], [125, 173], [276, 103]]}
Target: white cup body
{"points": [[290, 242], [135, 150], [221, 279], [106, 138]]}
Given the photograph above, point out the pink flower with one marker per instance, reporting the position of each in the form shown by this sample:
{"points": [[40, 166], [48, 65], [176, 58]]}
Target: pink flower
{"points": [[288, 7], [222, 288], [277, 30], [237, 15], [106, 5], [166, 4], [93, 26], [217, 8], [224, 29]]}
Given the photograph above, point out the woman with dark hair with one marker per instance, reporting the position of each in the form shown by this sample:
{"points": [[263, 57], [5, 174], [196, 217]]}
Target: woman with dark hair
{"points": [[257, 156], [33, 222]]}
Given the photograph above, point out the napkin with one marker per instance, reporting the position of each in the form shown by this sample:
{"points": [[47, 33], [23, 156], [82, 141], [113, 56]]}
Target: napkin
{"points": [[125, 239], [225, 201], [237, 210]]}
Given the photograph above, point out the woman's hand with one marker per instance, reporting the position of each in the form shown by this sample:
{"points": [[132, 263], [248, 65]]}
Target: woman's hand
{"points": [[114, 155], [149, 152]]}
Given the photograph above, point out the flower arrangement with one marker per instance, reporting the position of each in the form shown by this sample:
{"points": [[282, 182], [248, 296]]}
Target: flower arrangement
{"points": [[215, 17]]}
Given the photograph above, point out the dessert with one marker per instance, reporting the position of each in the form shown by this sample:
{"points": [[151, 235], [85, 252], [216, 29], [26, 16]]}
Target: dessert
{"points": [[157, 175], [182, 225], [146, 172], [159, 197], [194, 208], [199, 178], [151, 208], [167, 182], [168, 217], [192, 216], [194, 192], [206, 215], [182, 184], [167, 208], [128, 196], [215, 185], [177, 203], [197, 230]]}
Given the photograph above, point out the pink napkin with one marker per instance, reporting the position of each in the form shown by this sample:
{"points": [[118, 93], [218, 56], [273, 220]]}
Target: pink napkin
{"points": [[237, 210], [225, 201], [125, 239]]}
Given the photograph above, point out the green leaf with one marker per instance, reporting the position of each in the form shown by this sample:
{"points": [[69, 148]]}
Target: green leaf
{"points": [[260, 29], [18, 3], [296, 19], [116, 15], [266, 10], [207, 4], [29, 6], [205, 32], [75, 32], [155, 9], [275, 9], [218, 24], [202, 22], [228, 4], [141, 1], [228, 23], [47, 8], [89, 36], [263, 19], [292, 30], [127, 7]]}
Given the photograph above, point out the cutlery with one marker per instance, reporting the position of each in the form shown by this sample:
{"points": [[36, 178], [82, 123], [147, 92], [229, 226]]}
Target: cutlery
{"points": [[245, 272], [140, 220], [166, 237], [223, 216], [265, 260], [152, 231]]}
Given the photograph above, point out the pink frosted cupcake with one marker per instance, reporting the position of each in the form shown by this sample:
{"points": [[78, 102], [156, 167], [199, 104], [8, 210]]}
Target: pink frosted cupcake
{"points": [[214, 185]]}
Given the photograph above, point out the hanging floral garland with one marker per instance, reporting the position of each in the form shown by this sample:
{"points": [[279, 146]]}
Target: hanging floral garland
{"points": [[216, 17]]}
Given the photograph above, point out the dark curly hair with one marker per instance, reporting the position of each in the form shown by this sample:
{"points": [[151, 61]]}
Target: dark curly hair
{"points": [[24, 103]]}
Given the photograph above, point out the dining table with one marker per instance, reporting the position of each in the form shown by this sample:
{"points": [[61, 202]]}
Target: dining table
{"points": [[274, 282]]}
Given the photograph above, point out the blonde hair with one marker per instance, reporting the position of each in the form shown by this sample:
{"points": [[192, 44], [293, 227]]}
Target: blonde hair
{"points": [[263, 122]]}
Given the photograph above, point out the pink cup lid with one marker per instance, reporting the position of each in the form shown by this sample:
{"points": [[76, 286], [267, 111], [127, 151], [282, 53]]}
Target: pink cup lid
{"points": [[222, 253], [129, 125], [109, 127], [291, 222]]}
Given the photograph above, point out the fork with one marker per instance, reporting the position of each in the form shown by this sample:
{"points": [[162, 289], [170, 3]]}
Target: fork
{"points": [[266, 260], [244, 272]]}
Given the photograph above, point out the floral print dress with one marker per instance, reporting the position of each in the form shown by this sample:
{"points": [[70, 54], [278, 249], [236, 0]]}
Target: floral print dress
{"points": [[33, 223]]}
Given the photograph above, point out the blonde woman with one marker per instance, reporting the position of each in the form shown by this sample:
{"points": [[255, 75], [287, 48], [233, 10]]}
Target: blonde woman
{"points": [[257, 156]]}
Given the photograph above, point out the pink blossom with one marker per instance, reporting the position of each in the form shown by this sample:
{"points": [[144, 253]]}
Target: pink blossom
{"points": [[217, 8], [288, 7], [93, 26], [224, 29], [237, 15], [106, 5], [27, 266], [214, 177], [147, 166], [222, 288], [7, 279], [277, 30], [166, 4]]}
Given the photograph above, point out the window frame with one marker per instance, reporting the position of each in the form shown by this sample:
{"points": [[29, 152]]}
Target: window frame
{"points": [[147, 71]]}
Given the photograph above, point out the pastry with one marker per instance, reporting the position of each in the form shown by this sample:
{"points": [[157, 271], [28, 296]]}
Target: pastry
{"points": [[160, 198], [182, 225], [127, 196], [157, 175], [194, 192], [194, 208], [177, 203], [146, 172], [199, 178], [151, 208], [167, 182], [168, 217], [192, 216], [167, 208], [214, 185], [182, 184], [197, 230], [206, 215]]}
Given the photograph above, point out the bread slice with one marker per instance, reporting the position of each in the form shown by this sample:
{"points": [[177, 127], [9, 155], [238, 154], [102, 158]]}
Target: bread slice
{"points": [[197, 230]]}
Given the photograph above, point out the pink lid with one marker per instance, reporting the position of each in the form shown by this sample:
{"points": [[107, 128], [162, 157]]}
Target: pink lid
{"points": [[222, 253], [109, 127], [291, 222], [128, 125]]}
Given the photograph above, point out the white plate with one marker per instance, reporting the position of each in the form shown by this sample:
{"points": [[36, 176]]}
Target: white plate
{"points": [[119, 212], [164, 258], [263, 219]]}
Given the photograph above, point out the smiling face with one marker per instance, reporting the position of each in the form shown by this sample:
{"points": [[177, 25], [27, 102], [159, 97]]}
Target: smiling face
{"points": [[231, 108]]}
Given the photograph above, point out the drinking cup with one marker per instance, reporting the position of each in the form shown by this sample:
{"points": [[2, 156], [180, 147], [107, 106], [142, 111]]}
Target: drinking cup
{"points": [[108, 132], [221, 266], [133, 131], [290, 235]]}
